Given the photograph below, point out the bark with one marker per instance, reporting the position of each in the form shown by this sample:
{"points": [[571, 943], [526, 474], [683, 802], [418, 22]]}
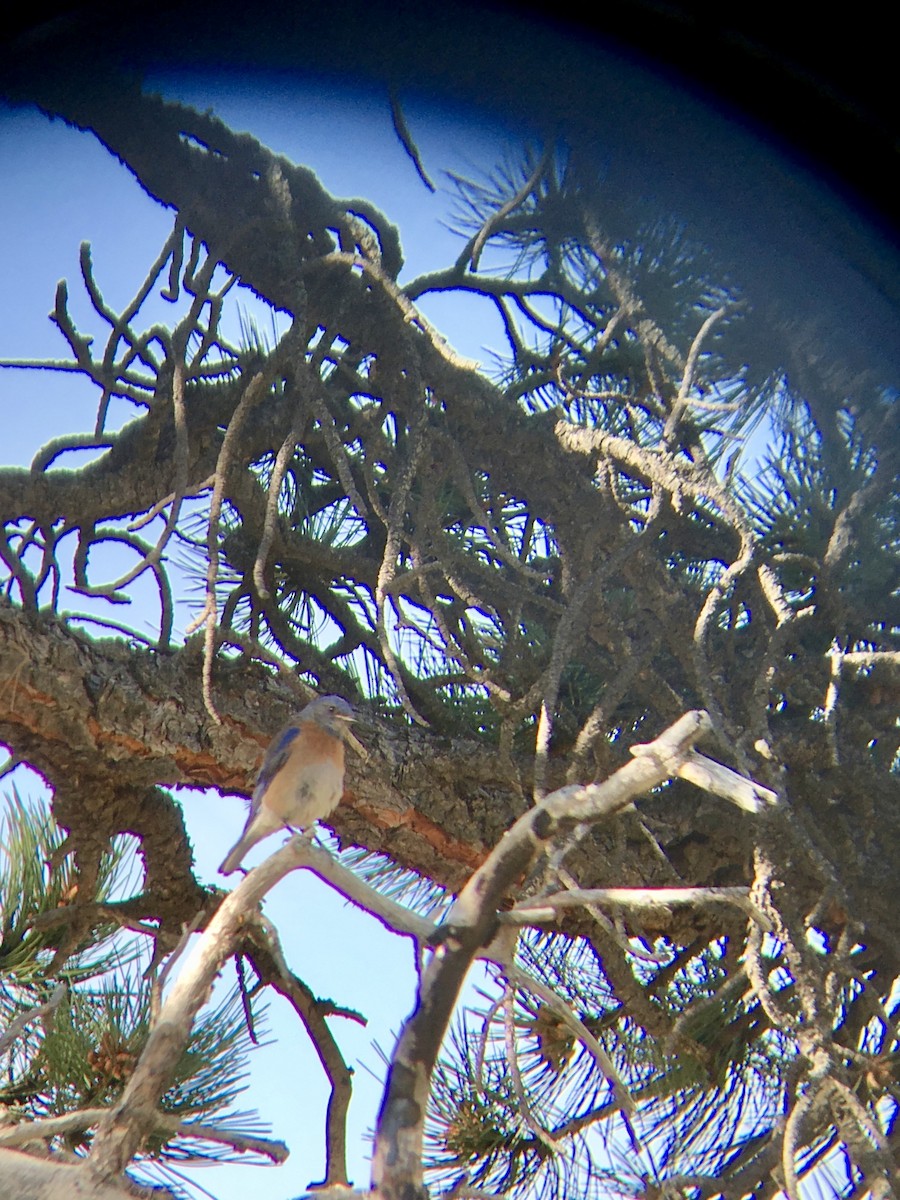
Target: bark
{"points": [[29, 1178], [108, 726]]}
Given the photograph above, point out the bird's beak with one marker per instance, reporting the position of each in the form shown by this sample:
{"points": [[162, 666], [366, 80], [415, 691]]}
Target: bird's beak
{"points": [[352, 740]]}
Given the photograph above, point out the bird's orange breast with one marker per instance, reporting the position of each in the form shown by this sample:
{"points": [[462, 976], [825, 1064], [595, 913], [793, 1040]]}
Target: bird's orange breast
{"points": [[310, 783], [317, 744]]}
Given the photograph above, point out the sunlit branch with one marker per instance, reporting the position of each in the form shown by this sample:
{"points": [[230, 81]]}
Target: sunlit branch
{"points": [[547, 908], [471, 921], [89, 1118], [271, 967]]}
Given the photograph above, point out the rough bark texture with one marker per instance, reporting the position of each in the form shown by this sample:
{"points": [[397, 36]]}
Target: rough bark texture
{"points": [[105, 724], [30, 1178]]}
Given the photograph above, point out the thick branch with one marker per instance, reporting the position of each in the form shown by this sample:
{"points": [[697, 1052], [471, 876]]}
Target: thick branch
{"points": [[29, 1178], [471, 924], [133, 1118]]}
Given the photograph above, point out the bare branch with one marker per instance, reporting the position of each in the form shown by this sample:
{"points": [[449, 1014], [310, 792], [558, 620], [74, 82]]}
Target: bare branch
{"points": [[126, 1126], [397, 1162], [406, 140], [548, 908], [15, 1028]]}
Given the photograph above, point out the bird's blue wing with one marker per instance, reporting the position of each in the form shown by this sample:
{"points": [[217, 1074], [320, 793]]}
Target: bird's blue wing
{"points": [[276, 756]]}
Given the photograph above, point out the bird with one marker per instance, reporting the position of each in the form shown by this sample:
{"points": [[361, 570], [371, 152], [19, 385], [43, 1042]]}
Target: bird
{"points": [[301, 779]]}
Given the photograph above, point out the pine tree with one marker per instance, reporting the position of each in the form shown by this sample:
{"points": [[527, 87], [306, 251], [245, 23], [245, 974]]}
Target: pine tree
{"points": [[544, 582]]}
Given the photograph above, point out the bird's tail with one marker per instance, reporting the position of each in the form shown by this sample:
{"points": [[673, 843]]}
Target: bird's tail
{"points": [[232, 859]]}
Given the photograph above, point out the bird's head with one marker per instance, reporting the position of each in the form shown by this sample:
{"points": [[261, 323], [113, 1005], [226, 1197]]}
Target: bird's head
{"points": [[336, 715], [332, 712]]}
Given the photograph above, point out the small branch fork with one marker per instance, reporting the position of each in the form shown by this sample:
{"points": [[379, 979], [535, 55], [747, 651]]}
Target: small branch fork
{"points": [[151, 371], [125, 1127], [89, 1118]]}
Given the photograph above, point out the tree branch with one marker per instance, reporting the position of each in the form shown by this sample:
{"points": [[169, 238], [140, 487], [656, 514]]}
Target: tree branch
{"points": [[471, 924]]}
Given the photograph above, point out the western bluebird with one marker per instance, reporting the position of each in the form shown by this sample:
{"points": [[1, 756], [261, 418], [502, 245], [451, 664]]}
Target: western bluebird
{"points": [[301, 779]]}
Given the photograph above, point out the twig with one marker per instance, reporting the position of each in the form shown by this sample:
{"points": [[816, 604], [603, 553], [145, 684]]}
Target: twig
{"points": [[558, 1006], [473, 250], [702, 627], [339, 456], [392, 547], [187, 932], [207, 617], [548, 908], [393, 916], [270, 965], [24, 1132], [690, 368], [273, 492], [49, 452], [242, 1142], [829, 707], [406, 140], [512, 1058], [713, 777], [18, 1024], [160, 505], [89, 1118]]}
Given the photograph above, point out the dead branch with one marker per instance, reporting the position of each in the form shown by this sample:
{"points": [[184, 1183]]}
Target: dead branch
{"points": [[471, 923]]}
